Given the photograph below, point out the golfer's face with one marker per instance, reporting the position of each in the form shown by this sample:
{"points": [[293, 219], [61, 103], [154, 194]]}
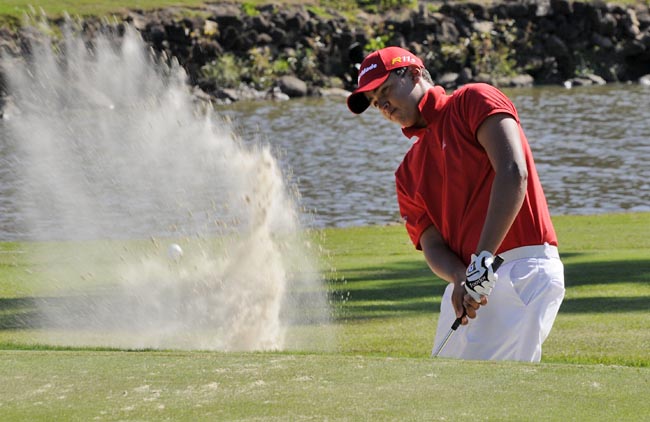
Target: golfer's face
{"points": [[393, 98]]}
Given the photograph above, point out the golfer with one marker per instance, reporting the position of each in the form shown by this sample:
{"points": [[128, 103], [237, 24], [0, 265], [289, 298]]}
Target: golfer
{"points": [[467, 190]]}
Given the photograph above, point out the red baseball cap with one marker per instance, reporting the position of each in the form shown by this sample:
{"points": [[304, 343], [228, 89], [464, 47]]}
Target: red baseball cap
{"points": [[375, 69]]}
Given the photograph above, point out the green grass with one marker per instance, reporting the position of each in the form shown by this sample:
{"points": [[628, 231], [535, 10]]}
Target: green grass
{"points": [[604, 318], [14, 9], [81, 386], [56, 8], [595, 362]]}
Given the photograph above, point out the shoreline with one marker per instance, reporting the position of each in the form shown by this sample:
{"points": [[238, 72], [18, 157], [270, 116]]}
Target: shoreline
{"points": [[231, 52]]}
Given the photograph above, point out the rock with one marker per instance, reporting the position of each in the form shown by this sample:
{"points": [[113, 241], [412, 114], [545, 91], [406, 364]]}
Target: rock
{"points": [[562, 7], [484, 27], [542, 8], [292, 86], [200, 96], [517, 10], [645, 80], [552, 40], [630, 23], [578, 82], [465, 75], [484, 78], [596, 79], [210, 28], [177, 34], [645, 39], [449, 31], [556, 47], [276, 94], [602, 41], [523, 80], [157, 34], [630, 48], [606, 25], [643, 15], [138, 21], [264, 39], [448, 80], [334, 92]]}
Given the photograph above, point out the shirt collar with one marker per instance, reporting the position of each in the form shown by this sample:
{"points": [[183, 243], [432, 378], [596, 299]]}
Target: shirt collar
{"points": [[430, 105]]}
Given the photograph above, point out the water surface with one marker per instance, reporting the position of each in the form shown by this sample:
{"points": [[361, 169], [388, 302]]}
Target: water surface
{"points": [[591, 146]]}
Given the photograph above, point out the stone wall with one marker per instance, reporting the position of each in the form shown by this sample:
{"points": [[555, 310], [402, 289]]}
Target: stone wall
{"points": [[292, 51]]}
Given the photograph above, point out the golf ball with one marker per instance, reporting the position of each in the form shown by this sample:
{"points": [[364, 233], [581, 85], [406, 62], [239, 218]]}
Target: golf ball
{"points": [[174, 252]]}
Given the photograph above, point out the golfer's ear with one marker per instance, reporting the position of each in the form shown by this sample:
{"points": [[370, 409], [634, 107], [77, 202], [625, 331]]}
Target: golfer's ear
{"points": [[416, 74]]}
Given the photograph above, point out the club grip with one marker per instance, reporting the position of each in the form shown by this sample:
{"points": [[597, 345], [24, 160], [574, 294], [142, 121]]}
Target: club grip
{"points": [[495, 266], [496, 263]]}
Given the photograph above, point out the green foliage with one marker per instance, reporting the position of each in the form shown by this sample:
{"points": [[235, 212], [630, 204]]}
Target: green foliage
{"points": [[305, 63], [258, 70], [281, 67], [250, 9], [319, 11], [376, 6], [224, 71], [492, 52], [377, 43]]}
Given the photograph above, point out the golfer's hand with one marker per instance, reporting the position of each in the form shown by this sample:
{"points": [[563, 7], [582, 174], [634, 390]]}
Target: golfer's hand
{"points": [[464, 306], [458, 301], [471, 306], [480, 277]]}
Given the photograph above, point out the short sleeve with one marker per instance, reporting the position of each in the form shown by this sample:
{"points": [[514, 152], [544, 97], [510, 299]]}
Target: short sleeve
{"points": [[414, 215], [479, 101]]}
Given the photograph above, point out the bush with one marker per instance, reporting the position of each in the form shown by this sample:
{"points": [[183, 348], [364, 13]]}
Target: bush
{"points": [[224, 71]]}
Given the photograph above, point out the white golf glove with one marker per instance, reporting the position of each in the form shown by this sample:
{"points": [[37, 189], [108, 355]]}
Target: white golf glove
{"points": [[480, 276]]}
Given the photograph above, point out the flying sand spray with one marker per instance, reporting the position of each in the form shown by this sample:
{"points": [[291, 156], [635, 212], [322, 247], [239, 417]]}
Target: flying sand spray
{"points": [[118, 164]]}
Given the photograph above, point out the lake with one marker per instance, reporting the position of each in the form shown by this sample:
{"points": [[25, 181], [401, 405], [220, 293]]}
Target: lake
{"points": [[591, 146]]}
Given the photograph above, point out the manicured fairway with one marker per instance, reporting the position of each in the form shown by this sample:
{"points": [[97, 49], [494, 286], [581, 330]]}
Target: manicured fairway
{"points": [[110, 386], [375, 366]]}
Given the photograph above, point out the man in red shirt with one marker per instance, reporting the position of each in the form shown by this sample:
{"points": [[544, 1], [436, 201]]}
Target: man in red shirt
{"points": [[468, 190]]}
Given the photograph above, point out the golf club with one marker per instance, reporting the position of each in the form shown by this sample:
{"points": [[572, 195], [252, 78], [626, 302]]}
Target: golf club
{"points": [[435, 352]]}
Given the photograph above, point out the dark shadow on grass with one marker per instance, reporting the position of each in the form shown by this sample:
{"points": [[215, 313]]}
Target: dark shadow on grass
{"points": [[17, 313], [605, 304], [127, 312], [391, 310], [409, 287], [608, 272], [73, 311]]}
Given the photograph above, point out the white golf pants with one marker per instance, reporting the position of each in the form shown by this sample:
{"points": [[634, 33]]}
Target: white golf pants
{"points": [[520, 311]]}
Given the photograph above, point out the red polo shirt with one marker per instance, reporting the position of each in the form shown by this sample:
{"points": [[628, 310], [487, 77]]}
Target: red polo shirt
{"points": [[446, 177]]}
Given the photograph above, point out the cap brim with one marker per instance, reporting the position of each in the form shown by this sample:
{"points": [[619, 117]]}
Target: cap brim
{"points": [[357, 101]]}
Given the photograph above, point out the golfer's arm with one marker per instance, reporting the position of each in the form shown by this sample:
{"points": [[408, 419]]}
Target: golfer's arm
{"points": [[499, 135], [443, 262]]}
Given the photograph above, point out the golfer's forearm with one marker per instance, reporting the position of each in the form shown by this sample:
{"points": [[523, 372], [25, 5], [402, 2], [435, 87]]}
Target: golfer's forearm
{"points": [[508, 192], [441, 260]]}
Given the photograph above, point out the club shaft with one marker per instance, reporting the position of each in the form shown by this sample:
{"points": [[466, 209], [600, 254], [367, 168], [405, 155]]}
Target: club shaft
{"points": [[436, 351], [453, 328]]}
